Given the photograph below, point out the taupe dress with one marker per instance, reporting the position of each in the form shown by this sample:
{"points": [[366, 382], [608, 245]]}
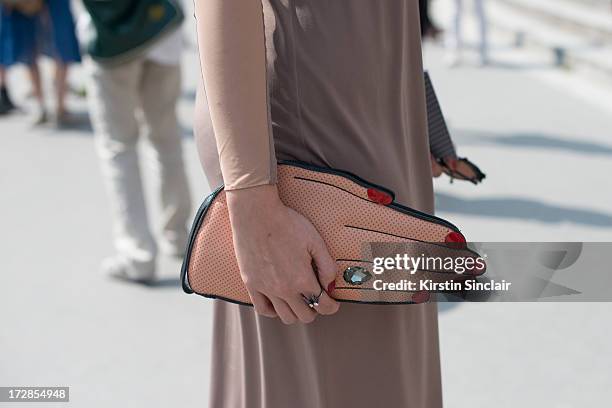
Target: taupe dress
{"points": [[346, 90]]}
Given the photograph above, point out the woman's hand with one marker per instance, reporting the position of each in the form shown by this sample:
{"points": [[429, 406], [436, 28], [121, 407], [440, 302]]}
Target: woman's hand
{"points": [[276, 248], [436, 169]]}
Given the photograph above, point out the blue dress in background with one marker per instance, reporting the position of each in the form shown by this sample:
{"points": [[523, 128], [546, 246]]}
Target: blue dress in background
{"points": [[18, 37], [60, 42], [52, 32]]}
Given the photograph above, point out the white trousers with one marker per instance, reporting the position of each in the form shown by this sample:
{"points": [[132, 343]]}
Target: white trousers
{"points": [[456, 39], [124, 99]]}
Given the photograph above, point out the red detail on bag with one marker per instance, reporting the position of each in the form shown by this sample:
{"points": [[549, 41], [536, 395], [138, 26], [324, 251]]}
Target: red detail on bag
{"points": [[379, 197], [452, 237]]}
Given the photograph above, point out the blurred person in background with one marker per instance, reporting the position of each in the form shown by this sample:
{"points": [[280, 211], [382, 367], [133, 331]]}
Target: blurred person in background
{"points": [[456, 41], [135, 76], [29, 28], [19, 28], [6, 103], [428, 28], [61, 44]]}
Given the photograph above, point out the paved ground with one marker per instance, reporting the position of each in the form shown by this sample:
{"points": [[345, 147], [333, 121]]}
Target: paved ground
{"points": [[543, 138]]}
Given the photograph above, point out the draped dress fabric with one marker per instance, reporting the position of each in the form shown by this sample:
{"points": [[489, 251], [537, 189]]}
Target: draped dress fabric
{"points": [[346, 90]]}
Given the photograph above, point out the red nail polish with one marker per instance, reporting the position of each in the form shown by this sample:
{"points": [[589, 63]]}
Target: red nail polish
{"points": [[455, 240], [379, 197], [454, 237], [331, 287]]}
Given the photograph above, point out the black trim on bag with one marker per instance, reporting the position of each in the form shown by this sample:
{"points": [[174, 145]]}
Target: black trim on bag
{"points": [[197, 222], [367, 184]]}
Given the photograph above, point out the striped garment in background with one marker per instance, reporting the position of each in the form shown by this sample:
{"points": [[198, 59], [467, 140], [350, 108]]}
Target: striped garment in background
{"points": [[440, 143]]}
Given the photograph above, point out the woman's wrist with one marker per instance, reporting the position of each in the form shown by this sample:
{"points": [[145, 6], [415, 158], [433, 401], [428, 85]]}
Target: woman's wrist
{"points": [[252, 198]]}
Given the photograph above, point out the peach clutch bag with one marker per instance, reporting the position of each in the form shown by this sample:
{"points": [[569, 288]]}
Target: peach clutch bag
{"points": [[357, 220]]}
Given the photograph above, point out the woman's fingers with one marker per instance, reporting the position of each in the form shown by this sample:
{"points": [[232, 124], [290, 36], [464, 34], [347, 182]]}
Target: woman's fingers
{"points": [[326, 266], [283, 310], [262, 304], [327, 305], [292, 296], [451, 163], [312, 288], [300, 308], [436, 169]]}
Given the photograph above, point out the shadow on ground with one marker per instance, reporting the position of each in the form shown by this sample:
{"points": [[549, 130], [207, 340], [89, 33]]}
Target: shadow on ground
{"points": [[532, 141], [523, 209], [166, 283], [79, 122], [519, 66]]}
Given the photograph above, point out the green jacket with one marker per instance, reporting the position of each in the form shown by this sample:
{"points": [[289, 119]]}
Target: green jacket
{"points": [[123, 29]]}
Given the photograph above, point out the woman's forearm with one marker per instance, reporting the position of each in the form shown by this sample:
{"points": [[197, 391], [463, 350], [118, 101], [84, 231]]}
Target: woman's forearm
{"points": [[231, 42]]}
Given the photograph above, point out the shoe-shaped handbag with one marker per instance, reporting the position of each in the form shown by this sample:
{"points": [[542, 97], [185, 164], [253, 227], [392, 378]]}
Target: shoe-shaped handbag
{"points": [[359, 221]]}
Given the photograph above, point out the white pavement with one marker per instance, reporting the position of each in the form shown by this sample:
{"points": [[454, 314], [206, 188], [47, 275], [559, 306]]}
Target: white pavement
{"points": [[543, 140]]}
